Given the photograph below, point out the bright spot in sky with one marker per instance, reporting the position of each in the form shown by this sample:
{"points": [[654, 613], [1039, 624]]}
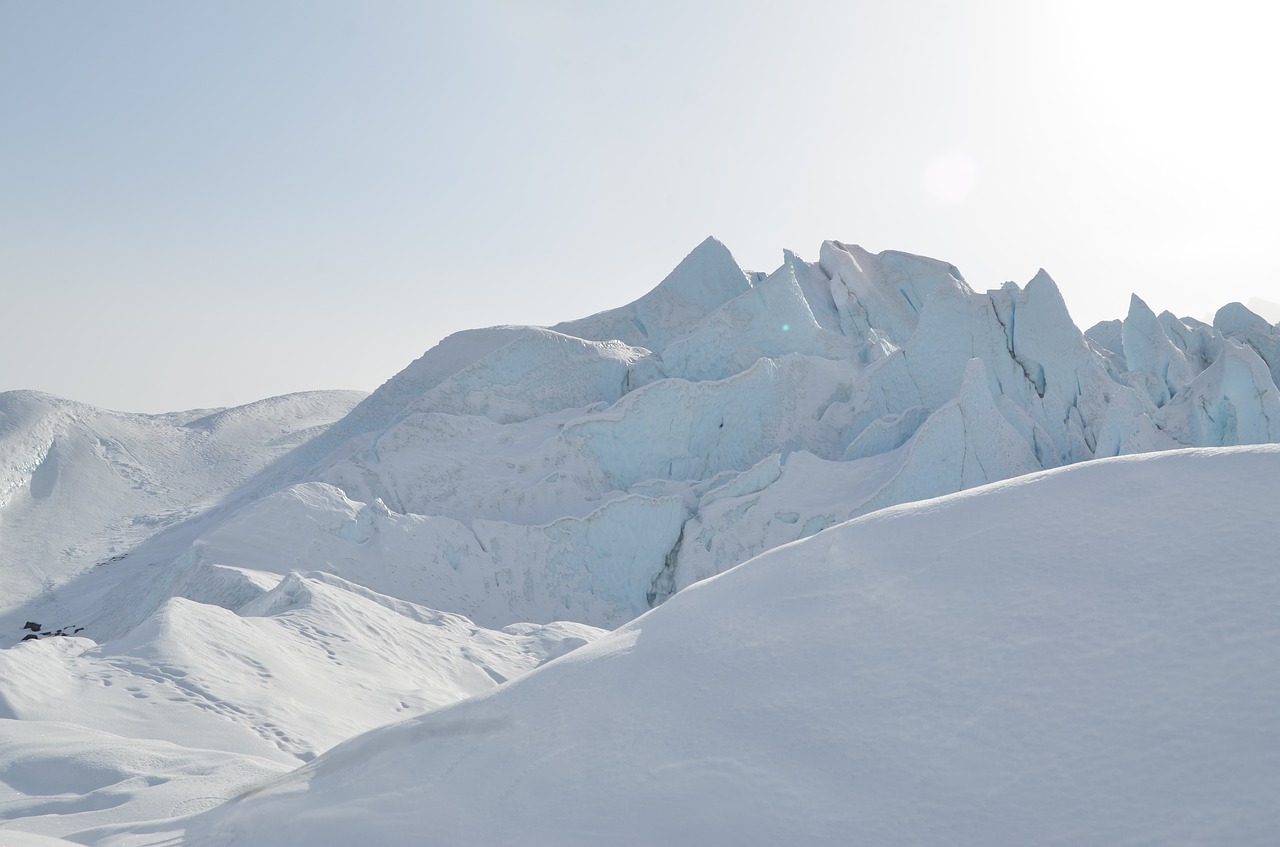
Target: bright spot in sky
{"points": [[1122, 146], [949, 178], [786, 327]]}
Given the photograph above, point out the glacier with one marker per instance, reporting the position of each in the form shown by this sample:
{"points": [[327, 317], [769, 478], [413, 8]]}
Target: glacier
{"points": [[584, 472], [518, 491]]}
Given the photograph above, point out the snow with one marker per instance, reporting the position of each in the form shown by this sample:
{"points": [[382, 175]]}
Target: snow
{"points": [[198, 702], [930, 672], [80, 486], [538, 372], [222, 573]]}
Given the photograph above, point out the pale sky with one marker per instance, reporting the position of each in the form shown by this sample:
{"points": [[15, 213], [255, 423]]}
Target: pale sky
{"points": [[204, 204]]}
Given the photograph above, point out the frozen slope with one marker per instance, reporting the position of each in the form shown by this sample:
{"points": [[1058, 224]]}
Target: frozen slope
{"points": [[1084, 656]]}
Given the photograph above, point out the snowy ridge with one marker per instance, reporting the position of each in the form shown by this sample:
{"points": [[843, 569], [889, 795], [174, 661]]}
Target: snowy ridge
{"points": [[80, 485]]}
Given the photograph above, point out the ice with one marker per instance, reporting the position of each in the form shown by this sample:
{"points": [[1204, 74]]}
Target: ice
{"points": [[677, 429], [881, 295], [769, 321], [984, 668], [536, 373], [597, 568], [1163, 369], [1233, 401], [1107, 338], [964, 444], [1236, 322], [703, 280]]}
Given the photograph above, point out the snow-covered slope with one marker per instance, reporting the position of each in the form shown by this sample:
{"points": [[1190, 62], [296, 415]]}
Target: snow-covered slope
{"points": [[198, 702], [80, 485], [1085, 656], [223, 573]]}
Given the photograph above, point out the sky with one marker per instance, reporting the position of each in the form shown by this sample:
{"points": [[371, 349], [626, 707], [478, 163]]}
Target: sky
{"points": [[206, 204]]}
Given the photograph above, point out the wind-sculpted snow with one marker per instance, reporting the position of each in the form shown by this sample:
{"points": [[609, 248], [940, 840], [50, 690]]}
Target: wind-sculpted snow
{"points": [[213, 699], [65, 777], [1085, 656]]}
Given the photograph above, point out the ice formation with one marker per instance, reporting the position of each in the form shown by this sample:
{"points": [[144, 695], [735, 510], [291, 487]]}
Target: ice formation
{"points": [[587, 471], [515, 488]]}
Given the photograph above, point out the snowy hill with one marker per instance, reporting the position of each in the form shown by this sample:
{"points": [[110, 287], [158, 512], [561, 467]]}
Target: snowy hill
{"points": [[80, 486], [516, 489], [1085, 656]]}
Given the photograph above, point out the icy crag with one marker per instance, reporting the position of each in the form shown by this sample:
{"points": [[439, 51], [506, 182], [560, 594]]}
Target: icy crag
{"points": [[587, 471]]}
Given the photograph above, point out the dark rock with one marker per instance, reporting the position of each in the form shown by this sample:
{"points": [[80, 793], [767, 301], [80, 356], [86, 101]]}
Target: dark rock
{"points": [[31, 625], [31, 638]]}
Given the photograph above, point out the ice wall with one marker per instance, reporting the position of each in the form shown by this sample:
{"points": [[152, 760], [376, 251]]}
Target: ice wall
{"points": [[590, 470]]}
